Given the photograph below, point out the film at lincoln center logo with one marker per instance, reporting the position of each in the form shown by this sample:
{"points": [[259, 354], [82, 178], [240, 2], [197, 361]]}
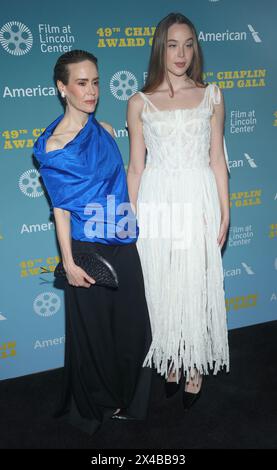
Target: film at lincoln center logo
{"points": [[123, 85], [16, 38]]}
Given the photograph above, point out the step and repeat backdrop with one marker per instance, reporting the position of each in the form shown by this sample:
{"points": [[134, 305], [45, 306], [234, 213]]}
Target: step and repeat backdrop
{"points": [[238, 39]]}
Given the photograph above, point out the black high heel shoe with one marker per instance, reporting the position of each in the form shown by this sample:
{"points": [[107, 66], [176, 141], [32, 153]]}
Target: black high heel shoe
{"points": [[171, 388], [121, 415], [190, 398]]}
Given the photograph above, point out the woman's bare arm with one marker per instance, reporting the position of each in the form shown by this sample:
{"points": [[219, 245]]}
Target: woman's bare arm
{"points": [[137, 147], [76, 276], [219, 167]]}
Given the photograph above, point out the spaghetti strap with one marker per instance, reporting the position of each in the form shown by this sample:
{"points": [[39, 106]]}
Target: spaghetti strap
{"points": [[215, 94], [212, 96], [147, 101]]}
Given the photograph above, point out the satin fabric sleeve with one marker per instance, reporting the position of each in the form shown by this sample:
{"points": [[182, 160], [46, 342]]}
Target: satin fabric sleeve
{"points": [[59, 183]]}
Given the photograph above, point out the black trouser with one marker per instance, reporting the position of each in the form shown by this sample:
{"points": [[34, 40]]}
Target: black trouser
{"points": [[107, 338]]}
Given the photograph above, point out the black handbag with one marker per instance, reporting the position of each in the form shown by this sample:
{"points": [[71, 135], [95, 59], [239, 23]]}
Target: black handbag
{"points": [[95, 266]]}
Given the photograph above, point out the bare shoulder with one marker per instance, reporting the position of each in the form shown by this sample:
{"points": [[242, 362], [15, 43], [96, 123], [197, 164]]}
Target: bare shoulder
{"points": [[201, 85], [217, 90], [54, 143], [108, 127], [199, 89], [218, 104], [219, 98], [136, 102], [57, 140]]}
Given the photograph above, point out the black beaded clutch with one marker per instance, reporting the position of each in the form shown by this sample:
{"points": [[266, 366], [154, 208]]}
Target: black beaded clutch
{"points": [[95, 266]]}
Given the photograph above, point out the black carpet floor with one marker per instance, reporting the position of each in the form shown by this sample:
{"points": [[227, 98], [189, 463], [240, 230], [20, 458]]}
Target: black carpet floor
{"points": [[236, 410]]}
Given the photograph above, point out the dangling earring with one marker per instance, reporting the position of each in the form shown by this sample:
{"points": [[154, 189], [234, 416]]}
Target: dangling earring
{"points": [[62, 94]]}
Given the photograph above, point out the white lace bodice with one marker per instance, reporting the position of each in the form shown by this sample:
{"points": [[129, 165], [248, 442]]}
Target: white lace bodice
{"points": [[179, 139]]}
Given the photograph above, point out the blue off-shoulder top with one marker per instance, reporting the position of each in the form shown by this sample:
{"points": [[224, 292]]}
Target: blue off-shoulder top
{"points": [[87, 178]]}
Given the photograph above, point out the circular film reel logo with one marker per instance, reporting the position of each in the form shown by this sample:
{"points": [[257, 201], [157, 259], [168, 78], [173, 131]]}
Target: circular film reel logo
{"points": [[29, 183], [47, 304], [16, 38], [123, 85]]}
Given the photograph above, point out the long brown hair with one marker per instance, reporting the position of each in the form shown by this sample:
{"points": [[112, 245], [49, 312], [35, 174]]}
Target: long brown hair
{"points": [[157, 69]]}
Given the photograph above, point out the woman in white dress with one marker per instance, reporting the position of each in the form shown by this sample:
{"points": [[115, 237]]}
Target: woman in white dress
{"points": [[178, 182]]}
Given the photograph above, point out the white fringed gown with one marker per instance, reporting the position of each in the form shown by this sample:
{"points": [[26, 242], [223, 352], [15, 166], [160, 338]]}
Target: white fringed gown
{"points": [[179, 220]]}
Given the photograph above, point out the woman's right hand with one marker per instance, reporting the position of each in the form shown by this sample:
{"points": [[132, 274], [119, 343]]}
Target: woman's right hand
{"points": [[77, 277]]}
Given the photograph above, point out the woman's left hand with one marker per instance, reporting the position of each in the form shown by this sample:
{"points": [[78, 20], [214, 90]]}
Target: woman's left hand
{"points": [[223, 232]]}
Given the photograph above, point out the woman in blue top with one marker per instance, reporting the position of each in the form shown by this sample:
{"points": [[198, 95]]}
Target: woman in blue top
{"points": [[107, 330]]}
